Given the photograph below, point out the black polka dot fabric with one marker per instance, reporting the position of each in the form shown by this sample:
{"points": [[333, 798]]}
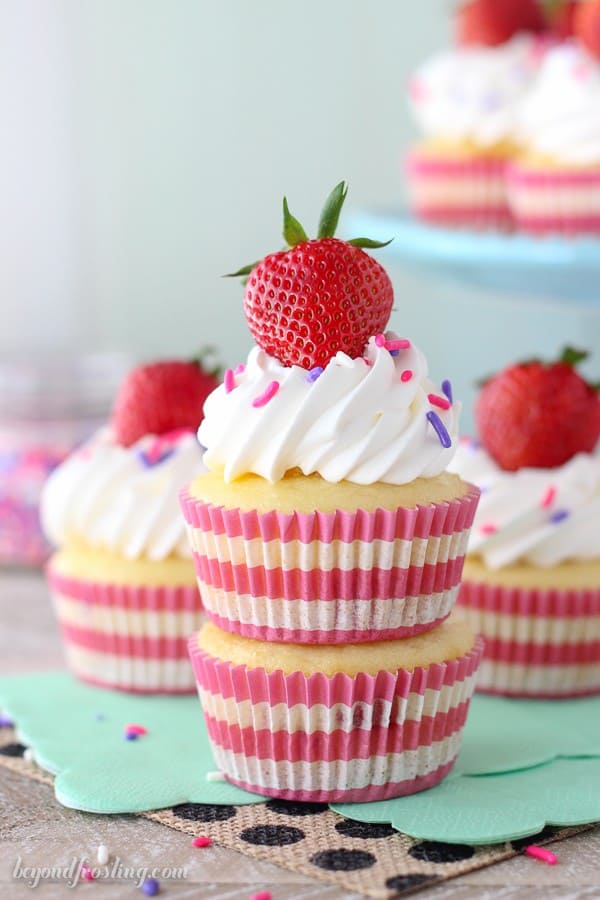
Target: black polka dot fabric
{"points": [[272, 835], [404, 882], [204, 812], [13, 749], [289, 808], [342, 860], [364, 830], [434, 852], [543, 835]]}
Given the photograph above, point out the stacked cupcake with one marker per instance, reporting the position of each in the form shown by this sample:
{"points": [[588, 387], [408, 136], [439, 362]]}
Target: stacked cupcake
{"points": [[511, 120], [532, 578], [329, 540], [122, 581]]}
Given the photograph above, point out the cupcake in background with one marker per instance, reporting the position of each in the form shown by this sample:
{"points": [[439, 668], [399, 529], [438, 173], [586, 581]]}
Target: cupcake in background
{"points": [[554, 183], [464, 101], [329, 540], [531, 583], [122, 580]]}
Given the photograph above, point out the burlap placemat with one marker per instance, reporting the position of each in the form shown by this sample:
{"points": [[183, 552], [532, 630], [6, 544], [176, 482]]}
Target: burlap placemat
{"points": [[309, 838]]}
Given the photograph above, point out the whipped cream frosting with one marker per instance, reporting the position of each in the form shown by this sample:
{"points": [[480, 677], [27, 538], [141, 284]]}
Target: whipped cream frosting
{"points": [[541, 516], [560, 116], [123, 499], [362, 420], [472, 93]]}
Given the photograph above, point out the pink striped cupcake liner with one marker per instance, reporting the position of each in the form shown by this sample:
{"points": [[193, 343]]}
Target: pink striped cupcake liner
{"points": [[461, 192], [538, 643], [340, 738], [126, 637], [554, 200], [325, 578]]}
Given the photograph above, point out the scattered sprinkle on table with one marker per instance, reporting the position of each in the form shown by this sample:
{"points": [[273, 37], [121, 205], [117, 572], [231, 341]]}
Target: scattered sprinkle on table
{"points": [[542, 854], [201, 842], [215, 776], [6, 721], [262, 895], [136, 729], [28, 755], [150, 887], [86, 873], [102, 855]]}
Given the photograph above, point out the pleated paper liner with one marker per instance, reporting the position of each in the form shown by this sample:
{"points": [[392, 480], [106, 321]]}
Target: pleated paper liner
{"points": [[339, 738], [538, 642], [329, 577], [553, 200], [127, 637]]}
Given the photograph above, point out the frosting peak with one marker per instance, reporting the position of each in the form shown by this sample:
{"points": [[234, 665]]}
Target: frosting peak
{"points": [[360, 420]]}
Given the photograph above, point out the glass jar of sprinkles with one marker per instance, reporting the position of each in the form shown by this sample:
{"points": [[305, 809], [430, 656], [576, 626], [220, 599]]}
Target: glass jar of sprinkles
{"points": [[48, 405]]}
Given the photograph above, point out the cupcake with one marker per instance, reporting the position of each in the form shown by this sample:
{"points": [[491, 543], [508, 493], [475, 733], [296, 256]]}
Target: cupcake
{"points": [[531, 582], [326, 523], [122, 581], [554, 183], [464, 102], [348, 722]]}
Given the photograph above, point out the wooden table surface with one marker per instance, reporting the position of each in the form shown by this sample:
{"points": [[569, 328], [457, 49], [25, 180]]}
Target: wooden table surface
{"points": [[36, 829]]}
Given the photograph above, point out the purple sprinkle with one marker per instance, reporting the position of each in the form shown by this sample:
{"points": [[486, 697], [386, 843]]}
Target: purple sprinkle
{"points": [[150, 461], [130, 736], [150, 887], [447, 389], [559, 516], [6, 721], [314, 373], [440, 429], [394, 352]]}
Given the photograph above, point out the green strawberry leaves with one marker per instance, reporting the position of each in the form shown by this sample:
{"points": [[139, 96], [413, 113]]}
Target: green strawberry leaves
{"points": [[293, 232], [367, 243], [571, 356], [330, 213]]}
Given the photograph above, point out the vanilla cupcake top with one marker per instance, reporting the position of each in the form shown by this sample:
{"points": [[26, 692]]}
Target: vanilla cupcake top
{"points": [[560, 115], [541, 516], [325, 390], [123, 499], [471, 93]]}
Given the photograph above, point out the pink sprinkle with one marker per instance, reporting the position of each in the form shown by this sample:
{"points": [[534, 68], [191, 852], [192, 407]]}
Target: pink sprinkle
{"points": [[240, 368], [136, 729], [201, 842], [86, 873], [406, 375], [380, 340], [229, 380], [436, 400], [400, 344], [541, 854], [262, 895], [548, 498], [367, 362], [266, 395], [489, 528]]}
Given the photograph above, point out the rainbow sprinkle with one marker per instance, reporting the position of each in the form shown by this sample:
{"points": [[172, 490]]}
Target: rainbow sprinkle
{"points": [[406, 375], [229, 380], [438, 401], [240, 368], [549, 497], [559, 516], [201, 842], [400, 344], [268, 394], [314, 373], [440, 429], [86, 873], [540, 853], [380, 340], [488, 528], [447, 390], [138, 730]]}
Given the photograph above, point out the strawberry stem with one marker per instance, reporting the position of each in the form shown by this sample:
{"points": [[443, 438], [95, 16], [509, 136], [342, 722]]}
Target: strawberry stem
{"points": [[293, 231], [571, 356], [331, 211]]}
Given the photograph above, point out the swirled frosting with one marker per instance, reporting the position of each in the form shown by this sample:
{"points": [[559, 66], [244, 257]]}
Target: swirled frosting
{"points": [[123, 499], [560, 116], [362, 420], [471, 93], [541, 516]]}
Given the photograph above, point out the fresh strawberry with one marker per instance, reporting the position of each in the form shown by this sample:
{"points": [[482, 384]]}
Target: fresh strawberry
{"points": [[538, 414], [587, 26], [562, 18], [304, 304], [159, 398], [493, 22]]}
